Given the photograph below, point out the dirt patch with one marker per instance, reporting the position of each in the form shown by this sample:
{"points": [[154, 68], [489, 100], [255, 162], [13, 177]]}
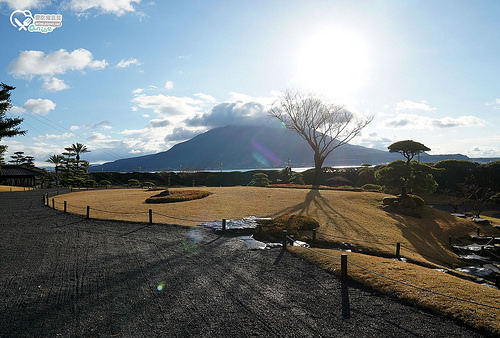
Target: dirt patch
{"points": [[61, 274]]}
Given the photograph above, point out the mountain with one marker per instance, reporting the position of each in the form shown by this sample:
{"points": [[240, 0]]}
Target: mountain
{"points": [[251, 147]]}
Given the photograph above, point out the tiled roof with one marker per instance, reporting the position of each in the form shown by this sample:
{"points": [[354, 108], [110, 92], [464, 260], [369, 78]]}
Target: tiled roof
{"points": [[14, 170]]}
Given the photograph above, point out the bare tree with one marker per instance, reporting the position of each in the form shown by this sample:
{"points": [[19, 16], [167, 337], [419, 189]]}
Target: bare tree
{"points": [[323, 125]]}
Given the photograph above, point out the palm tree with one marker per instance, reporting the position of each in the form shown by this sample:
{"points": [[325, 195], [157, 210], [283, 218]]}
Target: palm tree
{"points": [[58, 160], [77, 149]]}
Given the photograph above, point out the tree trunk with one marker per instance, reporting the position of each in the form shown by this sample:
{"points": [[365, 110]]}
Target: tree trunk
{"points": [[318, 173]]}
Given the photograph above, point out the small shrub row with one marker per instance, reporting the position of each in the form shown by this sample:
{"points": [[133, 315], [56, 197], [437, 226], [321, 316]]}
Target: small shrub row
{"points": [[309, 186], [179, 196], [371, 187]]}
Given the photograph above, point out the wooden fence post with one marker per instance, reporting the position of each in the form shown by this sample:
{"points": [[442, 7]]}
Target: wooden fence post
{"points": [[343, 267], [88, 212], [314, 236], [449, 240], [150, 216], [285, 240], [223, 225], [65, 206], [53, 204], [398, 249], [478, 231]]}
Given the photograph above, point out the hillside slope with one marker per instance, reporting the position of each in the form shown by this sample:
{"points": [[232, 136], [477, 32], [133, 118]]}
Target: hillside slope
{"points": [[248, 147]]}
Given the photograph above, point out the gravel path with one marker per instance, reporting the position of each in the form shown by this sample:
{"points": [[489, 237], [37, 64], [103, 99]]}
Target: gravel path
{"points": [[63, 275]]}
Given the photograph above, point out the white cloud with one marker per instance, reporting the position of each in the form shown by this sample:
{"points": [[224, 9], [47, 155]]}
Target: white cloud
{"points": [[372, 140], [181, 118], [33, 62], [411, 121], [169, 85], [17, 110], [103, 125], [39, 106], [411, 105], [98, 137], [495, 104], [54, 84], [117, 7], [24, 4], [127, 63], [222, 114], [138, 91], [168, 105], [205, 97], [53, 137]]}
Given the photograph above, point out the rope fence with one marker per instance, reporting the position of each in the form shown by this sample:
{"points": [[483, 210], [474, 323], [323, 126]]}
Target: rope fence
{"points": [[51, 202], [287, 239], [344, 274]]}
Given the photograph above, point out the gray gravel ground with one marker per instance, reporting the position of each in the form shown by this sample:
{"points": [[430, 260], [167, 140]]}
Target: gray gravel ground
{"points": [[63, 275]]}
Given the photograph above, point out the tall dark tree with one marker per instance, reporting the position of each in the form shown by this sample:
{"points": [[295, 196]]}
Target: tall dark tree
{"points": [[8, 126], [18, 158], [77, 149], [58, 161], [409, 149], [3, 149], [324, 126]]}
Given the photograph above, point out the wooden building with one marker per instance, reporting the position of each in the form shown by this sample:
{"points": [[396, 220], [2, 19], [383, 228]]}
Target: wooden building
{"points": [[20, 176]]}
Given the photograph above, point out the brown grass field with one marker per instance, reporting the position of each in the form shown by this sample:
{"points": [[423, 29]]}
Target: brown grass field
{"points": [[354, 217], [344, 216], [5, 188]]}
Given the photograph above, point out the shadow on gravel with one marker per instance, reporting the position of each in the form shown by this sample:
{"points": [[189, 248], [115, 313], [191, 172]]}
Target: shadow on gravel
{"points": [[68, 224], [346, 308], [280, 256]]}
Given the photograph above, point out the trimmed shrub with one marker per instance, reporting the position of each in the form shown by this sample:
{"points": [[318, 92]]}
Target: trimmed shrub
{"points": [[178, 196], [273, 229], [90, 183], [260, 180], [371, 187], [134, 183]]}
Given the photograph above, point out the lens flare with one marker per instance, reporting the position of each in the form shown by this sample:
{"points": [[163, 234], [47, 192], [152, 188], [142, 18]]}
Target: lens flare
{"points": [[160, 287], [189, 246], [196, 235], [263, 155]]}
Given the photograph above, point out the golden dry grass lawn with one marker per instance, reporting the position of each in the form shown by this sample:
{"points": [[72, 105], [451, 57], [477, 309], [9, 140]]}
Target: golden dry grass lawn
{"points": [[344, 216], [5, 188], [482, 317]]}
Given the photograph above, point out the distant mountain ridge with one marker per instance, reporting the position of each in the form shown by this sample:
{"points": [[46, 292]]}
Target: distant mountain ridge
{"points": [[252, 147]]}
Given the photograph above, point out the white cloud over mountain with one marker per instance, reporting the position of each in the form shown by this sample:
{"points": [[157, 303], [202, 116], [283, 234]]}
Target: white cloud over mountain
{"points": [[413, 121]]}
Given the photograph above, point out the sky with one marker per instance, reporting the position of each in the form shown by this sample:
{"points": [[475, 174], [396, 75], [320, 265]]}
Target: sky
{"points": [[134, 77]]}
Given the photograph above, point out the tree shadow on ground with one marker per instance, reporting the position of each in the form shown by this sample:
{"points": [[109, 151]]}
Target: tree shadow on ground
{"points": [[426, 237], [317, 206], [314, 202]]}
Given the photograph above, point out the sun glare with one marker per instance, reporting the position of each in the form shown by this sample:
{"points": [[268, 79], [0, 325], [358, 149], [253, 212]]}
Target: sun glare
{"points": [[332, 62]]}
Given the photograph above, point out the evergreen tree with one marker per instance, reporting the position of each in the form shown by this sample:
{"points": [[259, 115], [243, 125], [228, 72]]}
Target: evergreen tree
{"points": [[8, 126]]}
